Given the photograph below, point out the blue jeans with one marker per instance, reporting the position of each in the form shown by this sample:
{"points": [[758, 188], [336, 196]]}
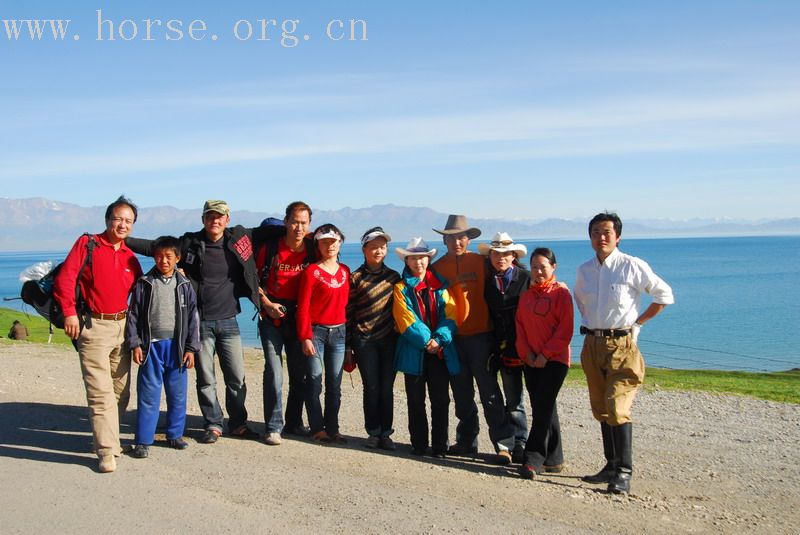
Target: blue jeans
{"points": [[376, 364], [163, 366], [329, 346], [473, 355], [515, 402], [222, 337], [275, 340]]}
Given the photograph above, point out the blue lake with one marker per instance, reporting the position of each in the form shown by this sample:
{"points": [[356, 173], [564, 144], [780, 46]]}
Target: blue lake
{"points": [[736, 299]]}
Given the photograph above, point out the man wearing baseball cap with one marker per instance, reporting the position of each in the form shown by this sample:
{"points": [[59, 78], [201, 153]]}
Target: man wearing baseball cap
{"points": [[219, 262]]}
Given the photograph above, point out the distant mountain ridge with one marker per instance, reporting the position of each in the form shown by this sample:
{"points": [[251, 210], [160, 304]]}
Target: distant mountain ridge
{"points": [[44, 224]]}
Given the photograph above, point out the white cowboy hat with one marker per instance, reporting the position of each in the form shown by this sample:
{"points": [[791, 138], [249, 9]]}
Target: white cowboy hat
{"points": [[415, 247], [502, 243]]}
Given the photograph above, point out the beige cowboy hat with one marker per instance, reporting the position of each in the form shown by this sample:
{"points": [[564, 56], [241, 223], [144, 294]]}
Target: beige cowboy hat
{"points": [[502, 243], [457, 224], [415, 247]]}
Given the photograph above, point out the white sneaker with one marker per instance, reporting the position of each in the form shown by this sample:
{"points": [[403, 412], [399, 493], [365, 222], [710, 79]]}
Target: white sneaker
{"points": [[272, 439]]}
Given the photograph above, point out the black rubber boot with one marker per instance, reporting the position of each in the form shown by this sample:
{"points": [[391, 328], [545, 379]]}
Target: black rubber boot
{"points": [[609, 470], [623, 446]]}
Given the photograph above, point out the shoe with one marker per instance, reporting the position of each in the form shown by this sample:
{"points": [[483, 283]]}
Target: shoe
{"points": [[439, 454], [272, 439], [503, 458], [106, 464], [527, 471], [419, 452], [518, 454], [551, 468], [623, 442], [210, 436], [462, 449], [321, 437], [177, 443], [387, 444], [244, 432], [372, 442], [140, 451], [610, 469], [338, 438], [297, 430]]}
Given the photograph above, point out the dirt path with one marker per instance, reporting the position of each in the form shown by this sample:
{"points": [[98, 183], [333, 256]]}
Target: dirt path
{"points": [[703, 464]]}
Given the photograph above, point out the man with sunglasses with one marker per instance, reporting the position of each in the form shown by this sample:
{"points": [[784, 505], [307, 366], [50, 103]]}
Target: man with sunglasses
{"points": [[465, 273]]}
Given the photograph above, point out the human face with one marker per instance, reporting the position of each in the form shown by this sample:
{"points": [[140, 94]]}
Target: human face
{"points": [[215, 224], [541, 269], [501, 261], [329, 248], [375, 252], [456, 243], [120, 224], [604, 239], [297, 226], [166, 260], [417, 265]]}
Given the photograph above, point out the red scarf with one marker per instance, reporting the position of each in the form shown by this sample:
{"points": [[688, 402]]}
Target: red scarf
{"points": [[427, 306], [545, 286]]}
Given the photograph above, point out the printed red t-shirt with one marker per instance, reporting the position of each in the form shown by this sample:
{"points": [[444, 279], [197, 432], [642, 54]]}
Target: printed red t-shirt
{"points": [[283, 281]]}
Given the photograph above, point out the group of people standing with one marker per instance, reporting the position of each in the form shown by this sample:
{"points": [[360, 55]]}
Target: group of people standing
{"points": [[447, 325]]}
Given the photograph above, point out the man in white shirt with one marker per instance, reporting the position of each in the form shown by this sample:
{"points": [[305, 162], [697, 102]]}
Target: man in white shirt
{"points": [[608, 292]]}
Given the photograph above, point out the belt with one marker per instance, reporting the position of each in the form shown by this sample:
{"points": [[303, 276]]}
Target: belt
{"points": [[115, 317], [607, 333]]}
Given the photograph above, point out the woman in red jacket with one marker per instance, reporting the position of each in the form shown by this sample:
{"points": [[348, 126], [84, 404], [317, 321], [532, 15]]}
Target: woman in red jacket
{"points": [[321, 302], [544, 330]]}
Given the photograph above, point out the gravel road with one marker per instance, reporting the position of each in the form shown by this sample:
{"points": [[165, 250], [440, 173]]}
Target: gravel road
{"points": [[704, 463]]}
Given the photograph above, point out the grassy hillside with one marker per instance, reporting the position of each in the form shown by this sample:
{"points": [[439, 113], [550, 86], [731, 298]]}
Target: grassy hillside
{"points": [[38, 327]]}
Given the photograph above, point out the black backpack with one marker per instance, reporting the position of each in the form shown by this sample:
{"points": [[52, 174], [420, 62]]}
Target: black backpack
{"points": [[39, 293]]}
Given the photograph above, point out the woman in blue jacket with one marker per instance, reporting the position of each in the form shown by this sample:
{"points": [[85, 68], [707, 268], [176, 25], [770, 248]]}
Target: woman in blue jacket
{"points": [[424, 314]]}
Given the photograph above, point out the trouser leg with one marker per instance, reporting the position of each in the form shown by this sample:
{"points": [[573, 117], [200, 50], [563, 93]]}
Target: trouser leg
{"points": [[438, 380]]}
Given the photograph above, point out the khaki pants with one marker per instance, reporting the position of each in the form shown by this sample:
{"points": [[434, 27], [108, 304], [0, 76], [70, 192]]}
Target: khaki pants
{"points": [[106, 366], [614, 369]]}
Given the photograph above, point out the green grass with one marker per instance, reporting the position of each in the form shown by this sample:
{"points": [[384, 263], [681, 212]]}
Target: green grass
{"points": [[773, 386], [38, 327]]}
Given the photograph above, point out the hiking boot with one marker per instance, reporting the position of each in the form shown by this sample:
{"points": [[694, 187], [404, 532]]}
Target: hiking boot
{"points": [[387, 444], [297, 430], [106, 464], [503, 458], [527, 471], [372, 442], [210, 436], [244, 432], [272, 439], [140, 451], [177, 443], [321, 437], [462, 449], [551, 469]]}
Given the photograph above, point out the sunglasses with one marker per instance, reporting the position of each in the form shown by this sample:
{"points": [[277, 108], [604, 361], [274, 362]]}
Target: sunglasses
{"points": [[504, 243]]}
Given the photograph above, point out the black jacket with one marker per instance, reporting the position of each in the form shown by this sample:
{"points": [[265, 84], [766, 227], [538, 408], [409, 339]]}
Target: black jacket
{"points": [[503, 308], [137, 327]]}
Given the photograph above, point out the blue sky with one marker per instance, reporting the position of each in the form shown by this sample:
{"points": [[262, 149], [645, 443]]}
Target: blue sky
{"points": [[514, 109]]}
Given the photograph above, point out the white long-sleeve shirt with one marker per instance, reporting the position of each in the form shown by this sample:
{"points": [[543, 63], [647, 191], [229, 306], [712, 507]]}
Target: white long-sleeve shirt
{"points": [[609, 294]]}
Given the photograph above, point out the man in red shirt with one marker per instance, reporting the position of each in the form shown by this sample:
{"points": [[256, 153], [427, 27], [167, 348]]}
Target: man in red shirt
{"points": [[280, 261], [98, 323]]}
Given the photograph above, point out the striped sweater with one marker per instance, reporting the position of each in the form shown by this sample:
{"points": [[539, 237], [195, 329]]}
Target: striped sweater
{"points": [[369, 309]]}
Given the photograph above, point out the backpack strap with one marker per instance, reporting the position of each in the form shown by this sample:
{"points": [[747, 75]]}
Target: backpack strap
{"points": [[84, 315]]}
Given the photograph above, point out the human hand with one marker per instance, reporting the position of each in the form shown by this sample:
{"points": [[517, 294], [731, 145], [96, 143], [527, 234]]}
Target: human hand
{"points": [[72, 327], [188, 359], [308, 348], [137, 356], [432, 346], [540, 361]]}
